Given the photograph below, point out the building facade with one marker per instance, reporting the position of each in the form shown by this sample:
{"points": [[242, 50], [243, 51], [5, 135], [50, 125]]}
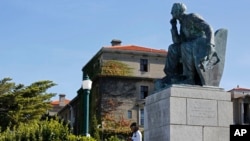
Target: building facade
{"points": [[123, 76], [241, 105], [57, 105]]}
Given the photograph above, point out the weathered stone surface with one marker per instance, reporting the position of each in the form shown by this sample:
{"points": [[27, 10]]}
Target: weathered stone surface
{"points": [[199, 92], [158, 113], [174, 133], [185, 133], [225, 113], [190, 91], [178, 110], [188, 113], [161, 114], [157, 134], [216, 134], [201, 112]]}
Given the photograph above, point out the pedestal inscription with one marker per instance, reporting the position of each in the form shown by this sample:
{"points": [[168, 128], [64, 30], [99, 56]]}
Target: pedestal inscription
{"points": [[201, 112]]}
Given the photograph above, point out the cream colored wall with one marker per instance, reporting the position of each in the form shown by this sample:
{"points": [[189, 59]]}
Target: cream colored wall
{"points": [[155, 64]]}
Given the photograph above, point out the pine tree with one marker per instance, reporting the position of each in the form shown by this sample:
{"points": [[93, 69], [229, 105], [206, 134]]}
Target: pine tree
{"points": [[22, 104]]}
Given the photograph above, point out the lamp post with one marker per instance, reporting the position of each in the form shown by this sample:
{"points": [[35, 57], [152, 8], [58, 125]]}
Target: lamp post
{"points": [[86, 86]]}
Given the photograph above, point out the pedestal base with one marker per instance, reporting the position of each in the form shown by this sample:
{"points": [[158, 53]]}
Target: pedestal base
{"points": [[190, 113]]}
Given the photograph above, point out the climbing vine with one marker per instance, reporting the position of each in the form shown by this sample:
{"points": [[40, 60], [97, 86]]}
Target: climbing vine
{"points": [[113, 67], [114, 124]]}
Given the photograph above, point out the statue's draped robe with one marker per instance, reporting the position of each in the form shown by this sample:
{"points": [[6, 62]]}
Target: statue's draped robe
{"points": [[192, 50]]}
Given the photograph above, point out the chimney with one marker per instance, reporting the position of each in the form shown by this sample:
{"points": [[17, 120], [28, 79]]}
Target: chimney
{"points": [[116, 42], [62, 100]]}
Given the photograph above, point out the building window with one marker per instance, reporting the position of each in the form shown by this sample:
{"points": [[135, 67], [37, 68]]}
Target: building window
{"points": [[246, 113], [144, 65], [141, 116], [144, 92], [129, 114]]}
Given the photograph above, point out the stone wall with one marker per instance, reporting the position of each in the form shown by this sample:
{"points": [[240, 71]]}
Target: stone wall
{"points": [[188, 113], [124, 93]]}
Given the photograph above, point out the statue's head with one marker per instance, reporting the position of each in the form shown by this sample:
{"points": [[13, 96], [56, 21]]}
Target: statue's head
{"points": [[178, 9]]}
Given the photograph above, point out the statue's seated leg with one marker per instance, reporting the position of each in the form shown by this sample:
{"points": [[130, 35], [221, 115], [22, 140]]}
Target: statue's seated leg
{"points": [[173, 67], [188, 63]]}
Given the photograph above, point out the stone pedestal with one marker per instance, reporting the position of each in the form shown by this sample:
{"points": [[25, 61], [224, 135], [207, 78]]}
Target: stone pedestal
{"points": [[188, 113]]}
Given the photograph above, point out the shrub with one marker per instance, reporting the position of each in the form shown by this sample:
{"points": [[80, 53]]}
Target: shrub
{"points": [[113, 138], [48, 130]]}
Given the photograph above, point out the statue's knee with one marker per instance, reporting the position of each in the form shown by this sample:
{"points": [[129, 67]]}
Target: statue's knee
{"points": [[174, 49], [172, 46]]}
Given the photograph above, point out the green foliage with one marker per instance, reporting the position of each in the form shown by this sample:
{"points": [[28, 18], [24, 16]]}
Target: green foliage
{"points": [[23, 104], [92, 68], [114, 138], [21, 108], [95, 131], [48, 130], [72, 137], [113, 67]]}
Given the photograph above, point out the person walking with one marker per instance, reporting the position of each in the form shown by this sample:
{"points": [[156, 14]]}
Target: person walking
{"points": [[136, 133]]}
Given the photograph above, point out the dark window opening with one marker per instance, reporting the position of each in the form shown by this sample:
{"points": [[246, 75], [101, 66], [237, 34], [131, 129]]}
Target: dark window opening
{"points": [[246, 113], [144, 65], [144, 92]]}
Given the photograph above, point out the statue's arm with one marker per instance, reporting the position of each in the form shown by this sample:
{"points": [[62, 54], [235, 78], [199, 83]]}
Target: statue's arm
{"points": [[208, 32], [174, 31], [210, 44], [204, 26]]}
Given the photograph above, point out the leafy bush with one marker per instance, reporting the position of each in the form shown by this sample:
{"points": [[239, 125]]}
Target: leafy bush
{"points": [[48, 130], [113, 138]]}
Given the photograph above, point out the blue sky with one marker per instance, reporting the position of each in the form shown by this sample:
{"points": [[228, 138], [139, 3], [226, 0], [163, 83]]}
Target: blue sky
{"points": [[54, 39]]}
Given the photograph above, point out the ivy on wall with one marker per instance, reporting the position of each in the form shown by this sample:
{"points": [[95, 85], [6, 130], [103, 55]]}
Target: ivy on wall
{"points": [[92, 68], [113, 67], [114, 123]]}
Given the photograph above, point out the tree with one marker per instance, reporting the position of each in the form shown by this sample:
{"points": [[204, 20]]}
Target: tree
{"points": [[22, 104]]}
